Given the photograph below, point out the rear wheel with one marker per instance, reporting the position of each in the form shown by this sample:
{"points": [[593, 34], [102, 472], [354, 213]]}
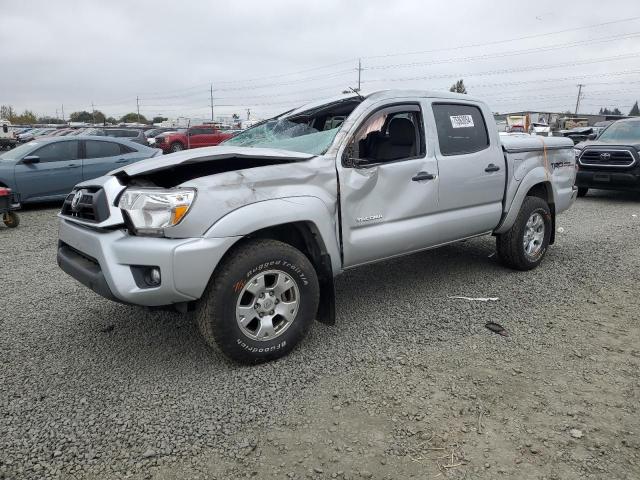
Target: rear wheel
{"points": [[524, 245], [11, 219], [582, 191], [260, 302], [176, 147]]}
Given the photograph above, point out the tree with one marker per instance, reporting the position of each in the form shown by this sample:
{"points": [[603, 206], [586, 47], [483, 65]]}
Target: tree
{"points": [[133, 118], [87, 117], [111, 120], [25, 118], [50, 120], [158, 119], [635, 111], [6, 112], [613, 111], [458, 87]]}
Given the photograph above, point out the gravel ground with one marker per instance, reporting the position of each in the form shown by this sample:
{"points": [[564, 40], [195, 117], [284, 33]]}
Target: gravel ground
{"points": [[408, 384]]}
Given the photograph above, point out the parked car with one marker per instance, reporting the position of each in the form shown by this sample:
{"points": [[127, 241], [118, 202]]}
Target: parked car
{"points": [[251, 234], [612, 160], [194, 137], [133, 134], [47, 169], [153, 133], [578, 134], [7, 135]]}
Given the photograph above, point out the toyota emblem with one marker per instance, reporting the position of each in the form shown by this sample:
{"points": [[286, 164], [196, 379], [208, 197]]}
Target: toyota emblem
{"points": [[75, 202], [605, 156]]}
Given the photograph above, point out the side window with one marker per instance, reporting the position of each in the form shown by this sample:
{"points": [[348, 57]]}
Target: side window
{"points": [[130, 133], [461, 128], [58, 151], [201, 131], [390, 135], [97, 149], [125, 149], [5, 128]]}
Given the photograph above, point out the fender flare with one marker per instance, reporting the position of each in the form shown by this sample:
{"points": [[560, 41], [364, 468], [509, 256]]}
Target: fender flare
{"points": [[269, 213], [536, 176]]}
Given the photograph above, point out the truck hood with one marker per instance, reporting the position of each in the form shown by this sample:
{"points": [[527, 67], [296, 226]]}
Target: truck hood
{"points": [[208, 154], [599, 143]]}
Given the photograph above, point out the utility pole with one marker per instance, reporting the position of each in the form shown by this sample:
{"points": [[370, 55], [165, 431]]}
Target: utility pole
{"points": [[211, 97], [138, 107], [93, 113], [248, 114], [63, 113], [580, 85], [359, 73]]}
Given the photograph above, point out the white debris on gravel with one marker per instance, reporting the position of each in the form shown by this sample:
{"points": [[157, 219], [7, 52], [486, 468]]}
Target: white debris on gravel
{"points": [[575, 433], [477, 299]]}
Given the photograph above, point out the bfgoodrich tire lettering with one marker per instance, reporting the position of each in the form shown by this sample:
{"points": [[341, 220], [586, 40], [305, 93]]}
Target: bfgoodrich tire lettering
{"points": [[217, 311], [511, 251]]}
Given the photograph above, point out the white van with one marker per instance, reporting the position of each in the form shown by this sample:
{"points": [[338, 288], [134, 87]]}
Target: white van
{"points": [[7, 136]]}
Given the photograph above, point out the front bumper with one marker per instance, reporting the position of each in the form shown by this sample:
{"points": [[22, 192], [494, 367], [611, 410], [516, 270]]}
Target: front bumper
{"points": [[609, 179], [102, 261]]}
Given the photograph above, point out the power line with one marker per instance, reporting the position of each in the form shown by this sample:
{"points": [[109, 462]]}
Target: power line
{"points": [[505, 54], [508, 40], [507, 70]]}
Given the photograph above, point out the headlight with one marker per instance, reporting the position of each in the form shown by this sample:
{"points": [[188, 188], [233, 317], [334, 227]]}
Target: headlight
{"points": [[577, 153], [151, 210]]}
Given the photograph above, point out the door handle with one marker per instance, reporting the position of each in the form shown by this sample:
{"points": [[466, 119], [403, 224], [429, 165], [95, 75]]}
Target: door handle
{"points": [[492, 168], [420, 176], [73, 165], [122, 160]]}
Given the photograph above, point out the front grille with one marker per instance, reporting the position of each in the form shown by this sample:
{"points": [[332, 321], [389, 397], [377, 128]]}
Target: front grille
{"points": [[607, 158], [159, 139], [92, 206]]}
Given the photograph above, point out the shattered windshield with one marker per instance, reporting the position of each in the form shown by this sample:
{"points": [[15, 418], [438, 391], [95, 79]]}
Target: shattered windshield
{"points": [[286, 135]]}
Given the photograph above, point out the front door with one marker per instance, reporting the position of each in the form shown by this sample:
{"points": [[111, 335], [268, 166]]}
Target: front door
{"points": [[472, 169], [56, 171], [388, 186]]}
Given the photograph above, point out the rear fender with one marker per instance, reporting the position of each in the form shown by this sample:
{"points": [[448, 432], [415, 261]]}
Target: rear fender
{"points": [[536, 176]]}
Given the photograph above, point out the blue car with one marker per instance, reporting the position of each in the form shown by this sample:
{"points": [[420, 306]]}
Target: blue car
{"points": [[48, 169]]}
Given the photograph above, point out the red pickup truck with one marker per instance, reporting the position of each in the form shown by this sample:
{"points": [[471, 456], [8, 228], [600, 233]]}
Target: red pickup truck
{"points": [[194, 137]]}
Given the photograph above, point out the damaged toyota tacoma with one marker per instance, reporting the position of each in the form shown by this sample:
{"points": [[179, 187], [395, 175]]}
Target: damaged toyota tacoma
{"points": [[250, 235]]}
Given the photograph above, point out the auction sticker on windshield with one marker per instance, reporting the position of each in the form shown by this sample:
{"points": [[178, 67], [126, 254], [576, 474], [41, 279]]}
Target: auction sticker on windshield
{"points": [[461, 121]]}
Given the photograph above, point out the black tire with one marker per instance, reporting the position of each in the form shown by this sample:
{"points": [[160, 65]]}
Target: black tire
{"points": [[511, 251], [176, 147], [11, 219], [582, 191], [216, 311]]}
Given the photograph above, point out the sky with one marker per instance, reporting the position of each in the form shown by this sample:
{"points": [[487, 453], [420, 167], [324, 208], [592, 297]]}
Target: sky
{"points": [[269, 56]]}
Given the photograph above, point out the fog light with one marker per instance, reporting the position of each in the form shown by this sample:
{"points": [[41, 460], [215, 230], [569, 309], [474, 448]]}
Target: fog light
{"points": [[153, 277], [146, 276]]}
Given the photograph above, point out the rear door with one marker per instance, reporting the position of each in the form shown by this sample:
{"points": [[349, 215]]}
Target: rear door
{"points": [[102, 156], [59, 169], [201, 137], [472, 168]]}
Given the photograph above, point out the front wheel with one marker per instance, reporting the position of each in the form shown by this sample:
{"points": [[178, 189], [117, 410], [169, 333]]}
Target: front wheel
{"points": [[524, 245], [11, 219], [260, 302], [582, 191]]}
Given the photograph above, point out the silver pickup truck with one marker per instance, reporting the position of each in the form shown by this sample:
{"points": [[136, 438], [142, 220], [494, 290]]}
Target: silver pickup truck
{"points": [[251, 234]]}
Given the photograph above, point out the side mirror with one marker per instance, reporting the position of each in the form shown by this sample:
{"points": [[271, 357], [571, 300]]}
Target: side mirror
{"points": [[31, 159], [592, 136]]}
